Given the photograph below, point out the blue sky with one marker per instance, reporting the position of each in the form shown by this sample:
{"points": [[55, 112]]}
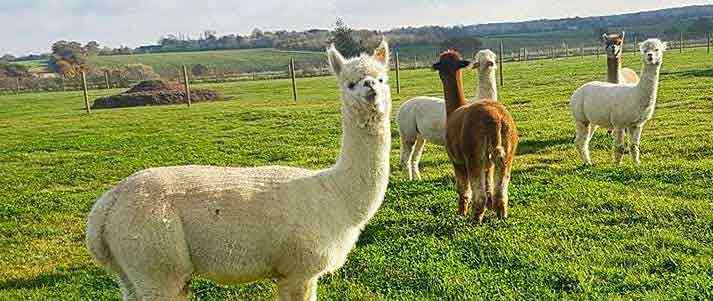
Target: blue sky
{"points": [[32, 25]]}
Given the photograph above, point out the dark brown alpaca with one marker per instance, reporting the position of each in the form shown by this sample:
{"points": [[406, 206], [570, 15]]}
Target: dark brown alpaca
{"points": [[481, 139]]}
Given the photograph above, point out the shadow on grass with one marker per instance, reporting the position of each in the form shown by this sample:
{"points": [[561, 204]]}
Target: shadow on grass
{"points": [[532, 146], [89, 277]]}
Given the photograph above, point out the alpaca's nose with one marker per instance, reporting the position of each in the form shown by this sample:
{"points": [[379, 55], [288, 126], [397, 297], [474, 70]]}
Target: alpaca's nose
{"points": [[369, 83], [651, 55]]}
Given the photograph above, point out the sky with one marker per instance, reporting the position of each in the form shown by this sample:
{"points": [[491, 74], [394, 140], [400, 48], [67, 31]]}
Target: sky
{"points": [[31, 26]]}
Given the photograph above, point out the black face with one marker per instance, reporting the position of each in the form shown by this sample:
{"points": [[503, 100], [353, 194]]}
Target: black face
{"points": [[450, 65]]}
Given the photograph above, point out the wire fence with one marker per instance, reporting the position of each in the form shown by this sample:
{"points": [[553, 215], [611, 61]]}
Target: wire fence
{"points": [[109, 80]]}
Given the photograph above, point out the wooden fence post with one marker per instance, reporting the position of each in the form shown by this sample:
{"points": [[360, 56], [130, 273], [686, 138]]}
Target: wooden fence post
{"points": [[525, 53], [709, 42], [398, 73], [17, 81], [294, 79], [500, 60], [106, 79], [680, 46], [86, 92], [636, 44], [64, 88], [566, 49], [186, 86]]}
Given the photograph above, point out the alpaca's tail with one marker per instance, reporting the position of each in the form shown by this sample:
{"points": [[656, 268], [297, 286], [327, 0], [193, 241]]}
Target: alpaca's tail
{"points": [[96, 223], [497, 151]]}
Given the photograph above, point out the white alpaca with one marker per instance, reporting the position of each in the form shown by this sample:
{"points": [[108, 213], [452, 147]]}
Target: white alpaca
{"points": [[619, 106], [423, 118], [160, 226]]}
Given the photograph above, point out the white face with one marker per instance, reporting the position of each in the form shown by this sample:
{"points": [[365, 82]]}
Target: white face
{"points": [[485, 59], [652, 51], [366, 89], [364, 80]]}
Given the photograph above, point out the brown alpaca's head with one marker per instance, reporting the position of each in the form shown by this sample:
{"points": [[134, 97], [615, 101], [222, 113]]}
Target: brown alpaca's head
{"points": [[613, 44], [450, 63]]}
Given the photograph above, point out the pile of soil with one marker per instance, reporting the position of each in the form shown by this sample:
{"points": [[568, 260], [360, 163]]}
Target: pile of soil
{"points": [[154, 93]]}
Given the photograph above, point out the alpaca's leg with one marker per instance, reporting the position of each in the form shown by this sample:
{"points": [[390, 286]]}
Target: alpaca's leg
{"points": [[478, 175], [298, 289], [584, 135], [489, 188], [463, 189], [618, 145], [127, 288], [502, 182], [407, 144], [416, 157], [478, 183], [634, 141]]}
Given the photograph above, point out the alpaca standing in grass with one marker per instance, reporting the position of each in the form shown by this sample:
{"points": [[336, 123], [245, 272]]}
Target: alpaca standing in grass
{"points": [[423, 118], [480, 137], [614, 48], [619, 106], [160, 226]]}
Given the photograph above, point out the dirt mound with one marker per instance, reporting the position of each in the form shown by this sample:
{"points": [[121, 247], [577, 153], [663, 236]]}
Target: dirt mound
{"points": [[155, 92]]}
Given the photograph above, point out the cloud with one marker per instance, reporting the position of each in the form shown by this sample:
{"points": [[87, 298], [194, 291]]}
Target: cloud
{"points": [[32, 25]]}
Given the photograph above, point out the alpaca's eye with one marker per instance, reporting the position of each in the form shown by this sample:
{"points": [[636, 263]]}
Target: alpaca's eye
{"points": [[381, 80], [351, 85]]}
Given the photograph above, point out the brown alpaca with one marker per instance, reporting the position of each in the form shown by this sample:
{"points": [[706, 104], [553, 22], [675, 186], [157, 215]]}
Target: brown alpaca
{"points": [[481, 139], [614, 49]]}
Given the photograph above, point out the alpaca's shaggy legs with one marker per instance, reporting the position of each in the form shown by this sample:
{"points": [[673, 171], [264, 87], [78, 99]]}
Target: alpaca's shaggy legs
{"points": [[479, 176], [416, 157], [489, 185], [407, 146], [298, 289], [619, 147], [585, 132], [478, 179], [502, 182], [634, 141], [463, 188], [127, 288]]}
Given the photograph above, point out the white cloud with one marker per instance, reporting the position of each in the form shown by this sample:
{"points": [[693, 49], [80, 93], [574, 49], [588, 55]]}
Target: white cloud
{"points": [[32, 25]]}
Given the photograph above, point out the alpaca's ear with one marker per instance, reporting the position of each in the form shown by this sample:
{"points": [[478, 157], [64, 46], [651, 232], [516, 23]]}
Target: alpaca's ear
{"points": [[382, 54], [336, 60], [436, 66], [463, 64], [605, 37]]}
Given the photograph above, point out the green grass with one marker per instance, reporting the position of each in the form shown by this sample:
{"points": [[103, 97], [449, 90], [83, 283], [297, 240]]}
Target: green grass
{"points": [[602, 232], [244, 61]]}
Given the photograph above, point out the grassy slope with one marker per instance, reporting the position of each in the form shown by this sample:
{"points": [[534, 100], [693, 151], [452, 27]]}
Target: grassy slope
{"points": [[251, 60], [606, 232]]}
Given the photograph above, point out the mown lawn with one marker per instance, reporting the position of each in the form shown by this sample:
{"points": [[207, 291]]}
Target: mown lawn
{"points": [[602, 232]]}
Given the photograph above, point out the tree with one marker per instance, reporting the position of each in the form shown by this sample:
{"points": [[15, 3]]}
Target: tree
{"points": [[92, 48], [68, 58], [343, 39], [462, 44], [14, 70], [7, 58]]}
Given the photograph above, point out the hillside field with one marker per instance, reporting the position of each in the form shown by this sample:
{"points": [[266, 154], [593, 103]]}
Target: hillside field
{"points": [[603, 232]]}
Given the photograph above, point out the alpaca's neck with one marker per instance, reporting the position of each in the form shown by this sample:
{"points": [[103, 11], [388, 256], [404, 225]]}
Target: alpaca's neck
{"points": [[453, 92], [649, 84], [487, 86], [614, 69], [362, 170]]}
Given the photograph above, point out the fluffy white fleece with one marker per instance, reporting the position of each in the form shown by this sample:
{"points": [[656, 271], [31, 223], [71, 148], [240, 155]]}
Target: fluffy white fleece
{"points": [[619, 106], [160, 226], [423, 118]]}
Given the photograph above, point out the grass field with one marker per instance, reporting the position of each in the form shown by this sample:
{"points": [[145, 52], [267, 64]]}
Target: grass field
{"points": [[603, 232], [244, 61]]}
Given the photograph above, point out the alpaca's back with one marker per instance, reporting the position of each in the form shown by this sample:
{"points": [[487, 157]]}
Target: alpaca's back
{"points": [[604, 103], [423, 116], [212, 221]]}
